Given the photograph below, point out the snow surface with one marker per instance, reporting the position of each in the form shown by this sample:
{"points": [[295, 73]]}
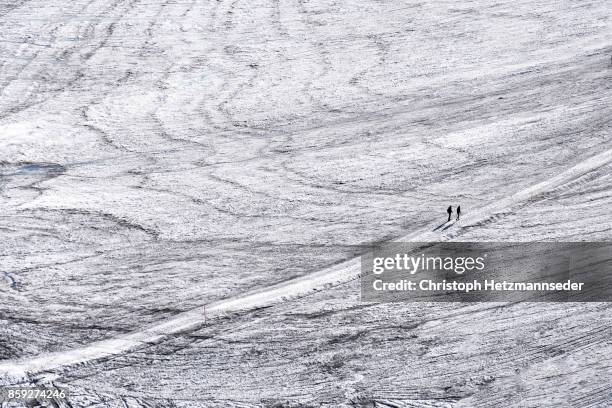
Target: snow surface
{"points": [[165, 163]]}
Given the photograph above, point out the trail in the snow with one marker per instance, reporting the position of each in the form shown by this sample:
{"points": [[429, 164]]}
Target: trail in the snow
{"points": [[18, 370]]}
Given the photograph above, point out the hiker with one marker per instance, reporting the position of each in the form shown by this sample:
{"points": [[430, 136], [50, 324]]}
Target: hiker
{"points": [[449, 210], [458, 211]]}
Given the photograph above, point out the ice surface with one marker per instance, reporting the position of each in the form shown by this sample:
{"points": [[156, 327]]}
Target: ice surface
{"points": [[157, 157]]}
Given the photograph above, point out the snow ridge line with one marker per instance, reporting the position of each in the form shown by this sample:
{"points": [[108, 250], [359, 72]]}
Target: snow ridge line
{"points": [[15, 371]]}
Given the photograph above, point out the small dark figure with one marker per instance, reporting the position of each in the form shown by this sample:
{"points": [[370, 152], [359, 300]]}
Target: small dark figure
{"points": [[458, 211], [449, 210]]}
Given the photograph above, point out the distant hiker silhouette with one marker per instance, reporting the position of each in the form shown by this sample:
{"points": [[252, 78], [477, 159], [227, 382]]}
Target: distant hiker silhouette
{"points": [[458, 211], [449, 210]]}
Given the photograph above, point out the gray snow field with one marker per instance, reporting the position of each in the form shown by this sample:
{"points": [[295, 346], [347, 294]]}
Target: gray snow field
{"points": [[181, 182]]}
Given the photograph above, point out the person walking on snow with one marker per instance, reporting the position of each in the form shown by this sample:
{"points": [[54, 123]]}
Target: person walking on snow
{"points": [[458, 211], [449, 210]]}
